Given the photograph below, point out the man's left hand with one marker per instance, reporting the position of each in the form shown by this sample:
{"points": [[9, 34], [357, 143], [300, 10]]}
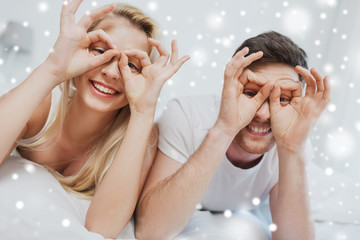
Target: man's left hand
{"points": [[291, 121]]}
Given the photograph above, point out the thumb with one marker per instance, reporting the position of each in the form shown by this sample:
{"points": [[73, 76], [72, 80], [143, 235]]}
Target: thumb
{"points": [[124, 67], [263, 93], [275, 96], [103, 58]]}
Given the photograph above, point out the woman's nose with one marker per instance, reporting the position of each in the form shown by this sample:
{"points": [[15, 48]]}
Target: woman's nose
{"points": [[111, 69]]}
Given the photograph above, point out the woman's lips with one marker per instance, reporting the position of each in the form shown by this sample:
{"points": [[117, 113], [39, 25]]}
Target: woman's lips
{"points": [[102, 90]]}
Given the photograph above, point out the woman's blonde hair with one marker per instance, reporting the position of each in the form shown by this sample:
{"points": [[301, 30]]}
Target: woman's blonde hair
{"points": [[100, 157]]}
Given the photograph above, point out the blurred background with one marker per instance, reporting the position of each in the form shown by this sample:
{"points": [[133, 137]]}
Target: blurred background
{"points": [[210, 31]]}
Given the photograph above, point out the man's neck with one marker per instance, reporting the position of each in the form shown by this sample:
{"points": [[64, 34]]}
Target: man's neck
{"points": [[240, 158]]}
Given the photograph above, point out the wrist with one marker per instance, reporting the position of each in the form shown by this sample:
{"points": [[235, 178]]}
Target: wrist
{"points": [[291, 149], [54, 75], [148, 115], [230, 132], [218, 133], [145, 118], [42, 77]]}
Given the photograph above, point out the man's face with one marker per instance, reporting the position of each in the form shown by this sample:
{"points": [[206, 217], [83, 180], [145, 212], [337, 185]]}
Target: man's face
{"points": [[257, 137]]}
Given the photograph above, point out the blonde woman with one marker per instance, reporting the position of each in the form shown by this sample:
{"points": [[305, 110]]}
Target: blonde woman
{"points": [[101, 141]]}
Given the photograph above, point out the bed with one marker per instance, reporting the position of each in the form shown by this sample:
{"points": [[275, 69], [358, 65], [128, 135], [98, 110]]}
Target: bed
{"points": [[33, 205]]}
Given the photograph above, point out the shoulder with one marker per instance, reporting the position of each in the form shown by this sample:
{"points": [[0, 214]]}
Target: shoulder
{"points": [[199, 110], [197, 102]]}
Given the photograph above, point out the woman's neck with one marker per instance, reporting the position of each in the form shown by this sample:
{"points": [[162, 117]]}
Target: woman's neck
{"points": [[83, 126]]}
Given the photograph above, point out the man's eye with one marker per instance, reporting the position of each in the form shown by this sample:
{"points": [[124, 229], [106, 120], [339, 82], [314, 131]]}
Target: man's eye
{"points": [[249, 93], [284, 99], [134, 67]]}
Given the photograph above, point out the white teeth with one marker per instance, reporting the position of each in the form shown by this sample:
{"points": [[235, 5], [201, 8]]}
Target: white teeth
{"points": [[103, 89], [259, 130]]}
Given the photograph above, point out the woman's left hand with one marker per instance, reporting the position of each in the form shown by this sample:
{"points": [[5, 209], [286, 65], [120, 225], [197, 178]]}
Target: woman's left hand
{"points": [[143, 89]]}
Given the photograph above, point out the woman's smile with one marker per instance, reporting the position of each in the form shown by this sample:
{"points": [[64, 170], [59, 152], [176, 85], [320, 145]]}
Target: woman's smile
{"points": [[101, 90]]}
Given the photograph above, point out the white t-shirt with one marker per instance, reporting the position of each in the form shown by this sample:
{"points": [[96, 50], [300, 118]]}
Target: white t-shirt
{"points": [[182, 128]]}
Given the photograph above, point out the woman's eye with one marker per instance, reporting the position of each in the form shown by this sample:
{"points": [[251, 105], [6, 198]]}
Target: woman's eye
{"points": [[249, 93], [97, 51], [133, 67]]}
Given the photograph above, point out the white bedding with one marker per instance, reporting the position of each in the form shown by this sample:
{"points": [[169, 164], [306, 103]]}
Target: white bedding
{"points": [[33, 205], [335, 206]]}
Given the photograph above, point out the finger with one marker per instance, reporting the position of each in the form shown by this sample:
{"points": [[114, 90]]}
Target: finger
{"points": [[172, 69], [263, 93], [141, 55], [71, 7], [289, 85], [275, 95], [294, 87], [247, 61], [74, 5], [296, 91], [125, 70], [327, 88], [164, 54], [250, 76], [103, 58], [241, 53], [319, 79], [255, 78], [66, 18], [310, 82], [100, 35], [177, 65], [89, 18], [235, 63], [174, 52]]}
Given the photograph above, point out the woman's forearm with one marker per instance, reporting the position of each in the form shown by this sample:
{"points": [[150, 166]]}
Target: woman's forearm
{"points": [[116, 196]]}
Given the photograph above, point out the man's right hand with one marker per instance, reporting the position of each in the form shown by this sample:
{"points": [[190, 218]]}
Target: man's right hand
{"points": [[238, 109]]}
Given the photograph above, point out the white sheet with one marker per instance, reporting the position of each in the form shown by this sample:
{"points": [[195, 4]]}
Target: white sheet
{"points": [[333, 197], [33, 205]]}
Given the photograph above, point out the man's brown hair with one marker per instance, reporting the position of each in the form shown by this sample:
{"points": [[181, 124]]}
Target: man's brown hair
{"points": [[277, 48]]}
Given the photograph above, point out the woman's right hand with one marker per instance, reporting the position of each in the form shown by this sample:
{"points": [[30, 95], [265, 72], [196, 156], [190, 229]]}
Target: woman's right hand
{"points": [[70, 56]]}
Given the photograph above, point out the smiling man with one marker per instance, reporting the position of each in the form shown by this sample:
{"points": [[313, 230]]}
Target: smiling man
{"points": [[234, 152]]}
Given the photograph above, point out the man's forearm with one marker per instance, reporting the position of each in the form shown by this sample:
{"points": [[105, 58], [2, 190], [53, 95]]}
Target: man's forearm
{"points": [[292, 212], [167, 207]]}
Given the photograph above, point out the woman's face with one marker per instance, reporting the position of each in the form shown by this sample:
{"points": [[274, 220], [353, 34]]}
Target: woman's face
{"points": [[102, 89]]}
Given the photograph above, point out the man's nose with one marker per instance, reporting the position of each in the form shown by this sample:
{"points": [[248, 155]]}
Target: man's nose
{"points": [[263, 113]]}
